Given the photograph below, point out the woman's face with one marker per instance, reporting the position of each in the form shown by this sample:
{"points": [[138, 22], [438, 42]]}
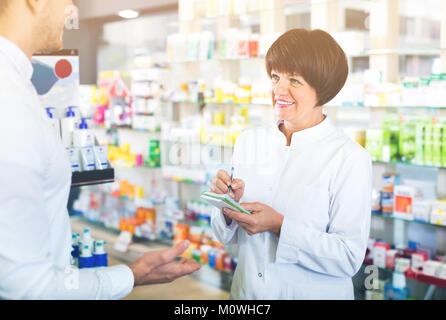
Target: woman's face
{"points": [[293, 98]]}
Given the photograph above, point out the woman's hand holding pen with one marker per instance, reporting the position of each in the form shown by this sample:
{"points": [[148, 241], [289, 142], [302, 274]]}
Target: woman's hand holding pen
{"points": [[222, 181], [220, 184], [263, 218]]}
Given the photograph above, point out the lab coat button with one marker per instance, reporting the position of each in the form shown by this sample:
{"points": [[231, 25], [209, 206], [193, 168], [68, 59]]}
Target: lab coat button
{"points": [[260, 275]]}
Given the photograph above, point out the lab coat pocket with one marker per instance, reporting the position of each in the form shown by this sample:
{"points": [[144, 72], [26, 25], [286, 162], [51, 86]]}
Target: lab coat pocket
{"points": [[309, 204]]}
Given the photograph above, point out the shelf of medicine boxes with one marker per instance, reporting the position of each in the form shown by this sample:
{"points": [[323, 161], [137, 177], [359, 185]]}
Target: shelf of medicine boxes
{"points": [[390, 217], [88, 178], [427, 52], [194, 223], [137, 239], [114, 128], [414, 275], [360, 107], [374, 161], [167, 242], [183, 180], [409, 164]]}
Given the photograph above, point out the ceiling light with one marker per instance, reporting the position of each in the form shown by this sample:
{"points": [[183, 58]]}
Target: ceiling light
{"points": [[128, 14]]}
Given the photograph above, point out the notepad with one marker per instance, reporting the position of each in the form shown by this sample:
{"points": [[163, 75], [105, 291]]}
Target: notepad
{"points": [[222, 201]]}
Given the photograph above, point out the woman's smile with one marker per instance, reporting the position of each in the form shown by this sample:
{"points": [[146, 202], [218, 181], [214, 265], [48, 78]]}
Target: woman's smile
{"points": [[282, 103]]}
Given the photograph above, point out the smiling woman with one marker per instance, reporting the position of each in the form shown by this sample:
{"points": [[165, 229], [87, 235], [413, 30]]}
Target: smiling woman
{"points": [[305, 237]]}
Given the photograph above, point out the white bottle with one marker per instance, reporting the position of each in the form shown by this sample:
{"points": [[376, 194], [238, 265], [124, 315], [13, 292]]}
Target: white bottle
{"points": [[83, 137], [68, 125], [55, 123], [88, 241]]}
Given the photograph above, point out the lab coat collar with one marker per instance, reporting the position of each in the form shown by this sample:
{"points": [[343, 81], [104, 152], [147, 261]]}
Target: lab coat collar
{"points": [[17, 58], [313, 134]]}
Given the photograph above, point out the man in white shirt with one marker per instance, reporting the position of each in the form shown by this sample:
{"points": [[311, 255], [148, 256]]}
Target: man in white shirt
{"points": [[35, 178]]}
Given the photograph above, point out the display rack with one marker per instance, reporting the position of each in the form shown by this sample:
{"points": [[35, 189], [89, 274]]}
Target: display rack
{"points": [[88, 178], [415, 275], [424, 278], [411, 221]]}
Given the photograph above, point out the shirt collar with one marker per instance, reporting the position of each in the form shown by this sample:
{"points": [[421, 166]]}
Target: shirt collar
{"points": [[308, 135], [17, 58]]}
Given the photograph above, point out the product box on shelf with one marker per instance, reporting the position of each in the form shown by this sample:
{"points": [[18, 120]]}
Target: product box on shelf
{"points": [[393, 293], [417, 260], [438, 213], [421, 210], [374, 143], [404, 196], [437, 140], [391, 137], [402, 264], [389, 181], [376, 202], [391, 256], [434, 268], [379, 254], [407, 142], [398, 280]]}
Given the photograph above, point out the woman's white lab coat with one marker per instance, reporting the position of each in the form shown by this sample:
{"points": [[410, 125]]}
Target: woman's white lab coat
{"points": [[321, 184]]}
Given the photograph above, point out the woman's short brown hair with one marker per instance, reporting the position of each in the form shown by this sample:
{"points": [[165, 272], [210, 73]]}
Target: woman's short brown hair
{"points": [[314, 55]]}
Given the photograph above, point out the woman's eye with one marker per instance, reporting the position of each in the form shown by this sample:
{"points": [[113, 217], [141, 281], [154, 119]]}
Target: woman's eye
{"points": [[294, 81], [274, 78]]}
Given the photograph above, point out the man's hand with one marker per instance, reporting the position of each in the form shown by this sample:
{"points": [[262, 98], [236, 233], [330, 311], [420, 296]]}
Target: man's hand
{"points": [[263, 218], [158, 266]]}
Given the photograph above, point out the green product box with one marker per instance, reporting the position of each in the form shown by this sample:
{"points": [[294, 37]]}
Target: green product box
{"points": [[374, 143], [437, 140], [443, 142], [419, 143], [154, 158], [391, 133], [407, 138], [428, 150]]}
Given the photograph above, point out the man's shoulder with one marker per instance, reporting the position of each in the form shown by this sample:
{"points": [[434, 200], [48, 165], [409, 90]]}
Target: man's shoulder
{"points": [[11, 87]]}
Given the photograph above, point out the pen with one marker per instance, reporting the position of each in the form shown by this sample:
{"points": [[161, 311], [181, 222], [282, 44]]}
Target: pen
{"points": [[232, 173]]}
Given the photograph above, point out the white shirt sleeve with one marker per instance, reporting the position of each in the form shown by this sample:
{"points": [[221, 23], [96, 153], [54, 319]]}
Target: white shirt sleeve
{"points": [[340, 251], [26, 267], [227, 234]]}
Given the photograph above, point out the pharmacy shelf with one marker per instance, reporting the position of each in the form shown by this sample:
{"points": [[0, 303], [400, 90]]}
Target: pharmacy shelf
{"points": [[193, 223], [220, 59], [408, 164], [217, 278], [114, 128], [415, 275], [424, 278], [410, 221], [221, 103], [117, 166], [140, 240], [183, 180], [357, 107], [427, 52], [87, 178]]}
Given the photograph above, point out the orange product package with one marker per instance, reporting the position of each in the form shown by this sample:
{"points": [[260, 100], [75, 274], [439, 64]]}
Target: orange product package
{"points": [[180, 232]]}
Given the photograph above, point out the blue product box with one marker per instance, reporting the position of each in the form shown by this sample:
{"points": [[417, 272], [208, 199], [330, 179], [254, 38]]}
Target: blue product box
{"points": [[393, 293]]}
